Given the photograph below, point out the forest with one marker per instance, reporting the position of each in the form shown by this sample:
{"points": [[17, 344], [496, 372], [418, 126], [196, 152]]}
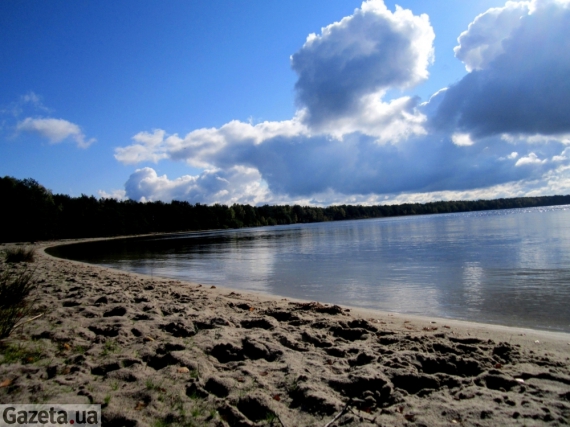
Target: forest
{"points": [[33, 213]]}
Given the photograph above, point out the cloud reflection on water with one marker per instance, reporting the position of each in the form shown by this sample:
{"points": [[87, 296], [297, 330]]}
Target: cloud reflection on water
{"points": [[507, 267]]}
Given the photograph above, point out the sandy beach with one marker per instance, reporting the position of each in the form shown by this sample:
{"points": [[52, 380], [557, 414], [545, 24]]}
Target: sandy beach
{"points": [[158, 352]]}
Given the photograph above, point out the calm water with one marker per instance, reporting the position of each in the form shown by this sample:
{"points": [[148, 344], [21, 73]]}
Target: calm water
{"points": [[509, 267]]}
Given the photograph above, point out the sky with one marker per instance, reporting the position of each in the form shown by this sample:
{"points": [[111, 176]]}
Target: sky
{"points": [[319, 103]]}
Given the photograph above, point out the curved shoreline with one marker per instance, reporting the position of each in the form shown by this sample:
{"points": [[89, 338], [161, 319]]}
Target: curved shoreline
{"points": [[156, 351], [466, 324]]}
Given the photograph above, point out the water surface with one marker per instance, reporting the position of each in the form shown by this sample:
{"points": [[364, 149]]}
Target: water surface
{"points": [[509, 267]]}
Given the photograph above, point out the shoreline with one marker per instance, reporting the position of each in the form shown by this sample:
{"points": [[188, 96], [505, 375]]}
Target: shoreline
{"points": [[156, 351], [554, 334]]}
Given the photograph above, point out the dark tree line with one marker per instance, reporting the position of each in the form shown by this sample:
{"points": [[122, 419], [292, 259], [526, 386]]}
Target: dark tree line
{"points": [[31, 213]]}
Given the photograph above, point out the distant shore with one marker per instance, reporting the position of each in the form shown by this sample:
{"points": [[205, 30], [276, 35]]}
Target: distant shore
{"points": [[157, 351]]}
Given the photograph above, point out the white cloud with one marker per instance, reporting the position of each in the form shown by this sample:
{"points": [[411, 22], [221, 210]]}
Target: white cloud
{"points": [[388, 122], [148, 147], [55, 130], [551, 183], [537, 138], [483, 40], [235, 185], [201, 146], [563, 156], [510, 51], [115, 194], [531, 159], [364, 54], [462, 139]]}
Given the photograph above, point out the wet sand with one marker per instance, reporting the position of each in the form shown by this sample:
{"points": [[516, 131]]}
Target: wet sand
{"points": [[162, 352]]}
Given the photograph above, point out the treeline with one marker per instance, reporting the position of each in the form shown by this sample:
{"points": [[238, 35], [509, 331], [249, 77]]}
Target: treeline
{"points": [[32, 213]]}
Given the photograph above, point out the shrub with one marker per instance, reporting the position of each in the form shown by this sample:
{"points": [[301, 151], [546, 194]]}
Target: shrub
{"points": [[20, 255], [15, 303]]}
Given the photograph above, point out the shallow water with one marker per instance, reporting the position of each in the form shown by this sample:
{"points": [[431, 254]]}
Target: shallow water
{"points": [[509, 267]]}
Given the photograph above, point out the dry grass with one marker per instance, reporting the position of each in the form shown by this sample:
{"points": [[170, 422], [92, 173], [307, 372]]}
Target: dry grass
{"points": [[20, 255], [15, 300]]}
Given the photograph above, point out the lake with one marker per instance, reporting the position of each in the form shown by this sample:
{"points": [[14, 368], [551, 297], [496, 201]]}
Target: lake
{"points": [[509, 267]]}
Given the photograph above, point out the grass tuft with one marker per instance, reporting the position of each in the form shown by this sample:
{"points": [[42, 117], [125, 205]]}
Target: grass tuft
{"points": [[20, 255], [270, 417], [15, 304], [20, 354]]}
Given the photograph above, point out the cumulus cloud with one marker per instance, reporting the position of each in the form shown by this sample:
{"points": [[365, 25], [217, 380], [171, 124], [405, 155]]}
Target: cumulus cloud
{"points": [[235, 185], [55, 130], [483, 40], [363, 54], [388, 122], [519, 84], [148, 147], [200, 146], [502, 130], [530, 159], [303, 165], [556, 181], [462, 139]]}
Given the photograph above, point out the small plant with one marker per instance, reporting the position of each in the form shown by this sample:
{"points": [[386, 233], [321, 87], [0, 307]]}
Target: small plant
{"points": [[20, 255], [194, 395], [270, 417], [196, 412], [115, 385], [110, 346], [107, 399], [15, 290], [150, 385], [20, 353], [292, 385]]}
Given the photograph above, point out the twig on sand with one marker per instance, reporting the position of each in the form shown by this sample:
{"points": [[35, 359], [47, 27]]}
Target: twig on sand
{"points": [[28, 321], [340, 414]]}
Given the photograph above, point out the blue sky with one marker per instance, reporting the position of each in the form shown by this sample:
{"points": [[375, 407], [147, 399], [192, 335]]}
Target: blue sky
{"points": [[234, 101]]}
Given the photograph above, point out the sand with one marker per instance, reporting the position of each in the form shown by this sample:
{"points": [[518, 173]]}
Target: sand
{"points": [[158, 352]]}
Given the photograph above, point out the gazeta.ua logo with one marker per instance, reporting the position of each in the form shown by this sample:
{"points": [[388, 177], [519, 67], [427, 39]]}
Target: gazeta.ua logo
{"points": [[50, 415]]}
